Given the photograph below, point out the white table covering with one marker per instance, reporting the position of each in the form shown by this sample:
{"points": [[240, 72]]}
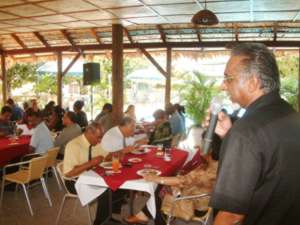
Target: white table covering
{"points": [[90, 185]]}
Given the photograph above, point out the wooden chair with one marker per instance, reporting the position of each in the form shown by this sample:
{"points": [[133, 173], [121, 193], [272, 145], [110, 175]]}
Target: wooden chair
{"points": [[68, 194], [34, 171]]}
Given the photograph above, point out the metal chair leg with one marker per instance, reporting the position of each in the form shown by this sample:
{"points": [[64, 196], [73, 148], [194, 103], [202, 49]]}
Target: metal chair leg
{"points": [[57, 180], [46, 191], [60, 210], [2, 190], [27, 198], [89, 214]]}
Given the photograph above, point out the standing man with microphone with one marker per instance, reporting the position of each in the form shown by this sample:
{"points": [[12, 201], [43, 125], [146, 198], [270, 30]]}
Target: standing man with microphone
{"points": [[258, 175]]}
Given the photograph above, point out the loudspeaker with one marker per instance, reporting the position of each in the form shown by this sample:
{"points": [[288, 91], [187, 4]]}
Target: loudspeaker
{"points": [[91, 73]]}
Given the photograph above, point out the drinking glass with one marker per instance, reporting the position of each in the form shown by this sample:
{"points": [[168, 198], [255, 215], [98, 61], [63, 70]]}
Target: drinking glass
{"points": [[115, 162]]}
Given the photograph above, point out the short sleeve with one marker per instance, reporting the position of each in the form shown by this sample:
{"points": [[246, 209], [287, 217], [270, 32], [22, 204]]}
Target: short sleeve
{"points": [[35, 139], [239, 170]]}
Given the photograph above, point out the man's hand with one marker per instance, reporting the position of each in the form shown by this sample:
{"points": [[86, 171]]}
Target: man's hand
{"points": [[223, 125], [96, 160], [128, 149]]}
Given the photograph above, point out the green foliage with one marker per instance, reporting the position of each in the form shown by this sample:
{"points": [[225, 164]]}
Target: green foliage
{"points": [[46, 83], [197, 93], [289, 91], [20, 74], [289, 69]]}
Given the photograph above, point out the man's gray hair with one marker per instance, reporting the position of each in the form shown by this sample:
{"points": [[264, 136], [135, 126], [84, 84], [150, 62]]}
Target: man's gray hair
{"points": [[126, 121], [259, 61], [93, 126]]}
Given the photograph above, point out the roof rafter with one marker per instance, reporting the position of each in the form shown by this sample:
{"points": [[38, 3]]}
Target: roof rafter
{"points": [[162, 33], [94, 33], [68, 37], [19, 41], [42, 39]]}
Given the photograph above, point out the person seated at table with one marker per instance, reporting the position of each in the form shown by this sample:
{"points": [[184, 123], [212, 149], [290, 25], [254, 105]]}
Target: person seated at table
{"points": [[199, 180], [120, 138], [71, 130], [6, 125], [17, 112], [177, 124], [41, 139], [130, 112], [105, 117], [83, 153], [162, 133], [80, 114], [54, 122]]}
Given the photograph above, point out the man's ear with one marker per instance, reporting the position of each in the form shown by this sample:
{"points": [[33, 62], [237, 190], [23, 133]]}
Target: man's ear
{"points": [[254, 84]]}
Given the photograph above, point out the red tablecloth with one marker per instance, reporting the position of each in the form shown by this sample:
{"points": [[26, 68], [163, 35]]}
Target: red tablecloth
{"points": [[10, 151], [129, 173]]}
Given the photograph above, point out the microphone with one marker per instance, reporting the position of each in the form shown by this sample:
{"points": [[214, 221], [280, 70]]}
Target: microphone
{"points": [[215, 107]]}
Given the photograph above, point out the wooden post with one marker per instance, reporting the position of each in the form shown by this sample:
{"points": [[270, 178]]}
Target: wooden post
{"points": [[117, 72], [168, 77], [59, 78], [4, 79], [299, 82]]}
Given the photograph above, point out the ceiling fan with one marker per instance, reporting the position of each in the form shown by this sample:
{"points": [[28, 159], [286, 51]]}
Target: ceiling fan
{"points": [[205, 17]]}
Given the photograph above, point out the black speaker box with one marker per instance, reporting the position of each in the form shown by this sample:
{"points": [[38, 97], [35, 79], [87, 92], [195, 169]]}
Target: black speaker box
{"points": [[91, 73]]}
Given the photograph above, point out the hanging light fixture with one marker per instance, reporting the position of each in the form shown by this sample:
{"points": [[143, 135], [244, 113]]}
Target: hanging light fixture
{"points": [[205, 17]]}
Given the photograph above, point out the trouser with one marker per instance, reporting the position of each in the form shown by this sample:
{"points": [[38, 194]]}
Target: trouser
{"points": [[159, 219], [109, 202]]}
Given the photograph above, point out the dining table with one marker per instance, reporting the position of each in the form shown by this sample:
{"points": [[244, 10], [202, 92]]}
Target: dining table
{"points": [[93, 183], [12, 148]]}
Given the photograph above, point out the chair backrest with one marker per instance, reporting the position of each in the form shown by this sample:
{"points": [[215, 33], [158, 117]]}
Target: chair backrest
{"points": [[36, 167], [51, 156], [63, 178]]}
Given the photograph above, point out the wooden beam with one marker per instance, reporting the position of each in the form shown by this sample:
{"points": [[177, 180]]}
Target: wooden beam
{"points": [[94, 33], [71, 64], [168, 77], [128, 35], [236, 32], [162, 33], [117, 72], [19, 41], [153, 61], [42, 39], [147, 54], [4, 79], [275, 32], [196, 44], [198, 33], [59, 78], [68, 37]]}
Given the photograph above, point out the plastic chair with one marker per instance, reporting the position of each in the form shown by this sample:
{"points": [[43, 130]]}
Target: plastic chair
{"points": [[206, 219], [68, 194], [34, 171], [51, 163]]}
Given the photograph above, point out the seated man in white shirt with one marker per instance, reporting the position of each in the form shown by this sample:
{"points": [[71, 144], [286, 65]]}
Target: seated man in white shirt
{"points": [[120, 138], [41, 139], [83, 153]]}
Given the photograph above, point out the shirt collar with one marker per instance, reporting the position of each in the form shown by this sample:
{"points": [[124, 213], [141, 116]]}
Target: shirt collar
{"points": [[85, 141], [262, 101]]}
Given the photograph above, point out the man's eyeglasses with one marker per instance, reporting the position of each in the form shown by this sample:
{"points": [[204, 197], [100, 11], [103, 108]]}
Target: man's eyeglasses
{"points": [[228, 79]]}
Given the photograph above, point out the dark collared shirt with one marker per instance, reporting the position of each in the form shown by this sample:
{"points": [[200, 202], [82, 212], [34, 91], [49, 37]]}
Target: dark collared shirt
{"points": [[259, 169], [6, 127]]}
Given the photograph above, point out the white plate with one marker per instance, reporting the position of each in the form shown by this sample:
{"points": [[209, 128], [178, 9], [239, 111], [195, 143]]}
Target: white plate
{"points": [[144, 172], [135, 160], [107, 165], [141, 151]]}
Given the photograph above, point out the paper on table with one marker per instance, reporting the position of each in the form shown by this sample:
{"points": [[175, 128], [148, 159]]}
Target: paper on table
{"points": [[25, 129]]}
